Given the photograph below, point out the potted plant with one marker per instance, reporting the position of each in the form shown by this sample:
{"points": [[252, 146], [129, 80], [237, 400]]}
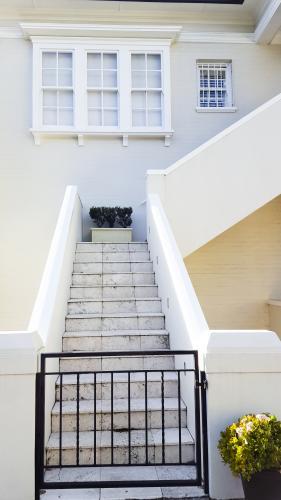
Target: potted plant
{"points": [[113, 224], [252, 449]]}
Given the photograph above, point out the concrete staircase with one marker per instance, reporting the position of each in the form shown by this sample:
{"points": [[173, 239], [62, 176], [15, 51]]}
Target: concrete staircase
{"points": [[114, 306]]}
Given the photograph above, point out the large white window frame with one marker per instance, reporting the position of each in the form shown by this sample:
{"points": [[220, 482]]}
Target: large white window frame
{"points": [[124, 48]]}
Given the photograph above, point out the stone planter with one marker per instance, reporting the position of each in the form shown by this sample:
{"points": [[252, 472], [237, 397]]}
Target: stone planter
{"points": [[265, 485], [111, 234]]}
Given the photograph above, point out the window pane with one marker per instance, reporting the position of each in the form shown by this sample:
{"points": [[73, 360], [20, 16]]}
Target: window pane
{"points": [[49, 78], [94, 99], [49, 60], [65, 78], [139, 119], [138, 61], [110, 61], [110, 118], [139, 100], [50, 117], [65, 99], [154, 100], [94, 78], [94, 61], [154, 79], [94, 117], [65, 117], [154, 118], [154, 61], [110, 78], [50, 98], [110, 100], [65, 60], [138, 79]]}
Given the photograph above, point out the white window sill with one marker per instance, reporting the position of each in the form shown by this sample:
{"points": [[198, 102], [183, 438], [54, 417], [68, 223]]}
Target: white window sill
{"points": [[232, 109], [40, 134]]}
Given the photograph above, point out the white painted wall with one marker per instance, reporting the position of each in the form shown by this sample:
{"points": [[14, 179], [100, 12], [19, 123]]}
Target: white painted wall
{"points": [[224, 180], [33, 178], [244, 375], [19, 356]]}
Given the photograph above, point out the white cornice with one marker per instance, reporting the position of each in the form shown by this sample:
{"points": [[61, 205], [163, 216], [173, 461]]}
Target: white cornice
{"points": [[168, 32], [10, 32], [212, 37], [100, 30]]}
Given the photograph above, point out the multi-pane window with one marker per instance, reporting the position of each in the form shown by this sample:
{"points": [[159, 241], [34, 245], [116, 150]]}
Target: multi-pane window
{"points": [[147, 90], [102, 89], [215, 89], [57, 88]]}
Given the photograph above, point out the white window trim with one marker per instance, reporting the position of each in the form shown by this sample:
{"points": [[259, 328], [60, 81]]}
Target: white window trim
{"points": [[79, 48], [225, 109]]}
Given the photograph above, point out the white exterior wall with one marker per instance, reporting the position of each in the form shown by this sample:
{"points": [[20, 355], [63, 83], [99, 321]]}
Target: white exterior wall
{"points": [[33, 178]]}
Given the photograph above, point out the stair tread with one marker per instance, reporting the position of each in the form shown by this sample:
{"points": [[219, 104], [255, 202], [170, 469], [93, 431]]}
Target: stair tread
{"points": [[120, 405], [114, 315], [115, 286], [103, 438], [114, 333], [114, 272], [130, 299], [114, 261], [118, 377]]}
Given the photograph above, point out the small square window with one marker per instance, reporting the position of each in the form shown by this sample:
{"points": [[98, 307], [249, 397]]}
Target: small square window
{"points": [[214, 85]]}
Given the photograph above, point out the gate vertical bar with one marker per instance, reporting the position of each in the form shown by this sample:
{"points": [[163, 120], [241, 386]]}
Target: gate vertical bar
{"points": [[204, 386], [197, 418], [39, 429]]}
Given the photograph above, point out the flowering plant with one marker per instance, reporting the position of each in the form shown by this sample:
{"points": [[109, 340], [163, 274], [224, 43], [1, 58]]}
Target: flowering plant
{"points": [[252, 444]]}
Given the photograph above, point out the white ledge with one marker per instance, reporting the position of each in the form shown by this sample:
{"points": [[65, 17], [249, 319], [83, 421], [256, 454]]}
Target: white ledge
{"points": [[231, 109], [214, 37], [40, 134], [100, 30]]}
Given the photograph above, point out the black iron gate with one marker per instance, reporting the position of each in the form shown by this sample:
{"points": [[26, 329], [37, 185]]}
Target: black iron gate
{"points": [[189, 380]]}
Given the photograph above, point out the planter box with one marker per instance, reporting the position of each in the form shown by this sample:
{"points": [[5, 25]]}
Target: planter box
{"points": [[265, 485], [111, 235]]}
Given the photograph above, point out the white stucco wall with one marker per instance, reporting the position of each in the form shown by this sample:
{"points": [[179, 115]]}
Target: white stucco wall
{"points": [[33, 178]]}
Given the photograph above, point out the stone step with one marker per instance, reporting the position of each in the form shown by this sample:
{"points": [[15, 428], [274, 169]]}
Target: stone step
{"points": [[89, 306], [115, 363], [120, 386], [113, 292], [111, 257], [113, 279], [112, 247], [120, 418], [120, 473], [115, 340], [114, 321], [120, 447], [113, 267]]}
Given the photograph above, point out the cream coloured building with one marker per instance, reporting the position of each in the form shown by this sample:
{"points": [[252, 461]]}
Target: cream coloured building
{"points": [[173, 109]]}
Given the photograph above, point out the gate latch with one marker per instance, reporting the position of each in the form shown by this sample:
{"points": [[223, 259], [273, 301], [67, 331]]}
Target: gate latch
{"points": [[203, 385]]}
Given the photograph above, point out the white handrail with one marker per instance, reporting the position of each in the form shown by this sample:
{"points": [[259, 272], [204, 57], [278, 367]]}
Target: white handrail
{"points": [[185, 320], [45, 299]]}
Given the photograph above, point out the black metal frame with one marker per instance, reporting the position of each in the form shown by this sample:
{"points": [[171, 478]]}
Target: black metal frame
{"points": [[200, 405]]}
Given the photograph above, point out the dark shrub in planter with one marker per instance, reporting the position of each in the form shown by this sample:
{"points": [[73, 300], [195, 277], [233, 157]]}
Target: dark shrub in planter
{"points": [[124, 218], [252, 449], [97, 214], [111, 215]]}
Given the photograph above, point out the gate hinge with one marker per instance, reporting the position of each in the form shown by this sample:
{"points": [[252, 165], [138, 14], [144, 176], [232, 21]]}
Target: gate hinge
{"points": [[203, 384]]}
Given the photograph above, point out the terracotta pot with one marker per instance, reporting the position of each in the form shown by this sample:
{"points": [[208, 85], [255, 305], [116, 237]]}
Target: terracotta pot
{"points": [[265, 485]]}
